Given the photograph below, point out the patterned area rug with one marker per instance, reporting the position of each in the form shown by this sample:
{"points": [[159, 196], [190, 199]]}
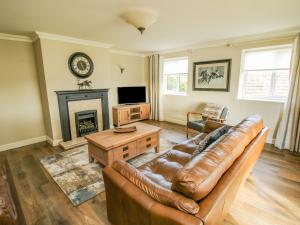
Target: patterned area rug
{"points": [[81, 180]]}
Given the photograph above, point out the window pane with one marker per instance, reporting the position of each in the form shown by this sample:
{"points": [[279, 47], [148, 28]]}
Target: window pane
{"points": [[268, 59], [175, 66], [183, 83], [257, 84], [172, 82], [281, 83]]}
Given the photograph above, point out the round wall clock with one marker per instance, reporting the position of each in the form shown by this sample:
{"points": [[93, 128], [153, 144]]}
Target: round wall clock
{"points": [[81, 65]]}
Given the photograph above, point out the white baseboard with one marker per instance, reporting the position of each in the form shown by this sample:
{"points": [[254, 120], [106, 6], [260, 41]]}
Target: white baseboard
{"points": [[22, 143], [53, 142], [174, 120], [270, 141]]}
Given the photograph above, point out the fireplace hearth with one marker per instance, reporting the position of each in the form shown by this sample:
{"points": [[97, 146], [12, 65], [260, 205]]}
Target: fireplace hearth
{"points": [[86, 122]]}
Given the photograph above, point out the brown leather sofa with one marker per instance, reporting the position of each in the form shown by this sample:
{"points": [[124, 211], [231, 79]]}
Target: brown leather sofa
{"points": [[10, 208], [184, 188]]}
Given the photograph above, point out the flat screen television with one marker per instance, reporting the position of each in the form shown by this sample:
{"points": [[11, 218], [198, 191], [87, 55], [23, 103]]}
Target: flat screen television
{"points": [[131, 95]]}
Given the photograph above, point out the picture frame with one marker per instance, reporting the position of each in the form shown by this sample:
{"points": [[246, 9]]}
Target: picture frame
{"points": [[212, 75]]}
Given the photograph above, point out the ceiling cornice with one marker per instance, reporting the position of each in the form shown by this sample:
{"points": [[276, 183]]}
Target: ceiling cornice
{"points": [[129, 53], [42, 35], [13, 37], [251, 39]]}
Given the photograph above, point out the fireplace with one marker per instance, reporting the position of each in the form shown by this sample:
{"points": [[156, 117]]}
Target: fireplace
{"points": [[86, 122], [66, 97]]}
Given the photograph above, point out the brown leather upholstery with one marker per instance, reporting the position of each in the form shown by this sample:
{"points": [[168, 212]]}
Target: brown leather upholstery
{"points": [[211, 125], [162, 169], [129, 204], [199, 176], [10, 209], [157, 192], [214, 206], [190, 145]]}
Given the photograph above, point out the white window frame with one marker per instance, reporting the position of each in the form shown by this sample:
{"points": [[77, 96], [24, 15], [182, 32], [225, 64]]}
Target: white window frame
{"points": [[164, 77], [242, 77]]}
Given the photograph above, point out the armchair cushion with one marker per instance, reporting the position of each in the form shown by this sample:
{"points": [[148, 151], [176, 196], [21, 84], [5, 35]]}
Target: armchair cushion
{"points": [[155, 191], [212, 110], [197, 125]]}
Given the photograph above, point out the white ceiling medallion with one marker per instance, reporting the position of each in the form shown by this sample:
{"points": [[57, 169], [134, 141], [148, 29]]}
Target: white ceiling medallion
{"points": [[140, 18]]}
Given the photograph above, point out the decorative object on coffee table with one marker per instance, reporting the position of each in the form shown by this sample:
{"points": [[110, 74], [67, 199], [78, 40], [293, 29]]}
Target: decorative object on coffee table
{"points": [[107, 146], [125, 129], [212, 75]]}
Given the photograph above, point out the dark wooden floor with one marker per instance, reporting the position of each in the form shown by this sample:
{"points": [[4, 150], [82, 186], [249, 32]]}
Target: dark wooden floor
{"points": [[271, 194]]}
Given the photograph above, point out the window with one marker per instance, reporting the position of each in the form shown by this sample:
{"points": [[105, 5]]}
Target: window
{"points": [[265, 73], [175, 73]]}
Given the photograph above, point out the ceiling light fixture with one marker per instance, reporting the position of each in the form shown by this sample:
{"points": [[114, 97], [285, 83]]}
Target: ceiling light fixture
{"points": [[140, 18]]}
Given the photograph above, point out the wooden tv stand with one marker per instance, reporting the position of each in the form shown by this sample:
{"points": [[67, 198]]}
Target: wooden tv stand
{"points": [[124, 114]]}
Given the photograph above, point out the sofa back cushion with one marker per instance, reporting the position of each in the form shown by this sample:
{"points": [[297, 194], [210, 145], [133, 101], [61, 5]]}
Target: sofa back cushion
{"points": [[199, 176]]}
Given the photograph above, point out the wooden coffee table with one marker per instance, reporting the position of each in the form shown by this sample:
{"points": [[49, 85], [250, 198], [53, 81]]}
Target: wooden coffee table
{"points": [[107, 146]]}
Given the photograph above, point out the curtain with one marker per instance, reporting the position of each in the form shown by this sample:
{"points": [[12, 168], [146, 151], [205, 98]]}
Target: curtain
{"points": [[154, 85], [289, 129]]}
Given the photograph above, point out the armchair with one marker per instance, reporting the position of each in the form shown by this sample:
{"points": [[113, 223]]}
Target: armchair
{"points": [[198, 125]]}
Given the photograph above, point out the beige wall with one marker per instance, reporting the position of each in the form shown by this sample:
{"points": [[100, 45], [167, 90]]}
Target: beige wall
{"points": [[176, 107], [21, 100], [21, 114], [133, 74], [56, 75]]}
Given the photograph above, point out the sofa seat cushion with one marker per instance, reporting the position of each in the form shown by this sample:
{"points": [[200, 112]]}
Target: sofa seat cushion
{"points": [[162, 169], [155, 191], [199, 176], [190, 145]]}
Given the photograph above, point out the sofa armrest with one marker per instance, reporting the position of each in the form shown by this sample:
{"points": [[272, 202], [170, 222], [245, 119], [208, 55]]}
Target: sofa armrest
{"points": [[128, 204], [211, 125], [190, 145], [155, 191], [214, 207]]}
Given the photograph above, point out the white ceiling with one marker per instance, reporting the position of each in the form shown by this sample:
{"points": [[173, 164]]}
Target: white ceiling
{"points": [[180, 22]]}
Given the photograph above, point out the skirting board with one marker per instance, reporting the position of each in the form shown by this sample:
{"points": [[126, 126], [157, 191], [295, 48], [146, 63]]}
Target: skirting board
{"points": [[22, 143], [177, 121], [54, 142]]}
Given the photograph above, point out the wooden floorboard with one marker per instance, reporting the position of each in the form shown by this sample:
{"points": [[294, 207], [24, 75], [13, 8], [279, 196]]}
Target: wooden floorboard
{"points": [[270, 196]]}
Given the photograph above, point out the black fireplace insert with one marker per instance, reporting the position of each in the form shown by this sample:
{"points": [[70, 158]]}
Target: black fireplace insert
{"points": [[86, 122]]}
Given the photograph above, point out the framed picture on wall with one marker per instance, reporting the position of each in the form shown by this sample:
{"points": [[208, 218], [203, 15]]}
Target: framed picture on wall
{"points": [[212, 75]]}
